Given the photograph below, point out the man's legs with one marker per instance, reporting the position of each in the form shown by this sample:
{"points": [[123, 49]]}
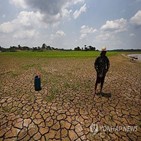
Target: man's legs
{"points": [[101, 87], [102, 83], [96, 83], [96, 86]]}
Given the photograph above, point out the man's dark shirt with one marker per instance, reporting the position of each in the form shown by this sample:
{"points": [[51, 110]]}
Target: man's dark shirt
{"points": [[102, 65]]}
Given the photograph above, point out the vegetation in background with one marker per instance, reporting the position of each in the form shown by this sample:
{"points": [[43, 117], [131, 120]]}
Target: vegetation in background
{"points": [[56, 54]]}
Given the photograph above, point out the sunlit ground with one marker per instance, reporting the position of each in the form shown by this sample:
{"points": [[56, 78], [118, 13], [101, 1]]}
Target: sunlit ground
{"points": [[66, 107]]}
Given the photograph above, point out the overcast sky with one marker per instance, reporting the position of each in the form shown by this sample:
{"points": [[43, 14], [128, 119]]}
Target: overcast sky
{"points": [[71, 23]]}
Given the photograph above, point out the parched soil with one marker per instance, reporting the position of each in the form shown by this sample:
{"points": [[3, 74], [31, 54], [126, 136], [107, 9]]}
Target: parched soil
{"points": [[66, 108]]}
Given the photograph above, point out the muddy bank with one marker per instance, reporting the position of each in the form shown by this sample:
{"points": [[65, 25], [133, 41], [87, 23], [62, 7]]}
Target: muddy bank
{"points": [[135, 56]]}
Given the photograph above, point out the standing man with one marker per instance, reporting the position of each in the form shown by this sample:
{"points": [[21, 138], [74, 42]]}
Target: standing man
{"points": [[101, 66]]}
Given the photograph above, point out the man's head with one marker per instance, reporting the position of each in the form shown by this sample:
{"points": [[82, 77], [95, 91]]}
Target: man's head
{"points": [[103, 51]]}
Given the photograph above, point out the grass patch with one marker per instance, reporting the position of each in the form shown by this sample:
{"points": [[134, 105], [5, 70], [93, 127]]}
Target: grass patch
{"points": [[11, 73], [67, 85], [56, 54], [52, 94], [75, 86], [26, 67], [6, 109]]}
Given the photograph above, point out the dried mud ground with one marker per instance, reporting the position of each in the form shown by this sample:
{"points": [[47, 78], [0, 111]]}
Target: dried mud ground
{"points": [[66, 108]]}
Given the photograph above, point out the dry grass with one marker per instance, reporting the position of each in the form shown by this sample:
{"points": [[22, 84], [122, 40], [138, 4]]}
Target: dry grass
{"points": [[65, 77], [67, 95]]}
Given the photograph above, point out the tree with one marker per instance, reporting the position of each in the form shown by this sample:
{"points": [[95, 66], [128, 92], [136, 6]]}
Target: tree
{"points": [[48, 48], [19, 47], [77, 48], [91, 48], [44, 46]]}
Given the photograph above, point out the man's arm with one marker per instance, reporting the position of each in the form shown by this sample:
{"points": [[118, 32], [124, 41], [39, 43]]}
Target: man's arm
{"points": [[96, 64], [108, 64]]}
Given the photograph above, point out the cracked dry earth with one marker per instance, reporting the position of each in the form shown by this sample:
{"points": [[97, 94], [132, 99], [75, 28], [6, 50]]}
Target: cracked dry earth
{"points": [[66, 108]]}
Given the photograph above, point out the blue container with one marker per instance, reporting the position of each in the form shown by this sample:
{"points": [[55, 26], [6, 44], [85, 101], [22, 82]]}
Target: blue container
{"points": [[37, 83]]}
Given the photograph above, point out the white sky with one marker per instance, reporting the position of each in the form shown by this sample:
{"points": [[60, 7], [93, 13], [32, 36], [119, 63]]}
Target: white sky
{"points": [[71, 23]]}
